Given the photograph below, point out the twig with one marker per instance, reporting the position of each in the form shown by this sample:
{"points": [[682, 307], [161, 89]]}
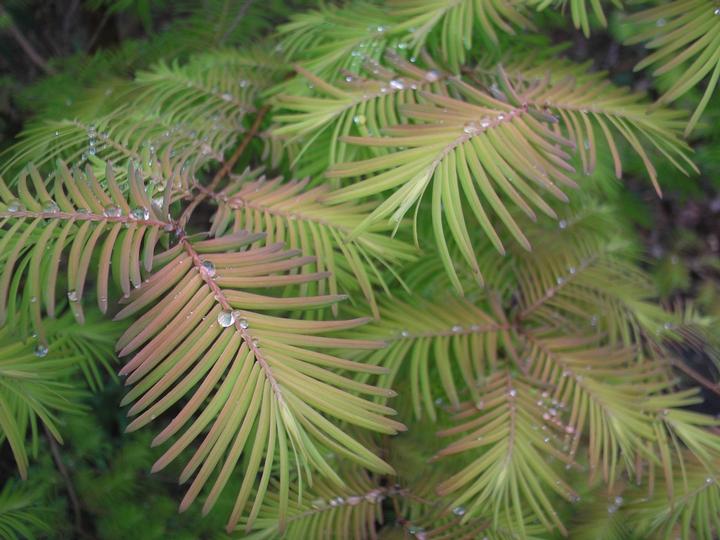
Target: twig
{"points": [[74, 501], [697, 377], [224, 170], [25, 45], [238, 17]]}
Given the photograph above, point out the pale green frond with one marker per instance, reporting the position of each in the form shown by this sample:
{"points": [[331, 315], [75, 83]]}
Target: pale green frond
{"points": [[70, 223], [580, 11], [474, 156], [682, 34], [260, 386], [598, 115], [22, 514], [360, 105], [511, 471], [584, 275], [599, 391], [34, 388], [297, 217], [171, 121], [324, 511], [92, 344], [693, 511], [442, 347], [331, 39], [455, 26]]}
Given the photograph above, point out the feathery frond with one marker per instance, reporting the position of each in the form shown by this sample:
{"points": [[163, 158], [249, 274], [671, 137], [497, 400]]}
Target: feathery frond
{"points": [[77, 218], [512, 472], [246, 373], [22, 514], [33, 389], [682, 34], [289, 213], [454, 26]]}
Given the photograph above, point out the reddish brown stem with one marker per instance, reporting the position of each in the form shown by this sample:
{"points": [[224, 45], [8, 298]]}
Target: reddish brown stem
{"points": [[224, 170], [225, 304], [25, 44], [72, 495]]}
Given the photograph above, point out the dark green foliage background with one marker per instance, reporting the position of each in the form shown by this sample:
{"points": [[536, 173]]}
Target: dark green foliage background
{"points": [[90, 41]]}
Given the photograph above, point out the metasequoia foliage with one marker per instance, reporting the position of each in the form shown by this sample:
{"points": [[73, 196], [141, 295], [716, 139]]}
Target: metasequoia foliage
{"points": [[375, 216]]}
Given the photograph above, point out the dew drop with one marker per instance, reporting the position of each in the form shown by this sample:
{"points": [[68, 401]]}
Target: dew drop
{"points": [[404, 333], [458, 511], [256, 342], [359, 119], [226, 97], [73, 296], [112, 211], [225, 318], [15, 206], [243, 323], [209, 268], [562, 224], [397, 84], [512, 392], [140, 213], [709, 480], [572, 270], [432, 76], [560, 280], [51, 207], [457, 329], [41, 350], [354, 500], [472, 128], [717, 11], [480, 405]]}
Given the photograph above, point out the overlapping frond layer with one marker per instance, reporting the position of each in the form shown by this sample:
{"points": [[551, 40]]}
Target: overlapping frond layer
{"points": [[246, 373], [75, 219], [511, 470], [92, 344], [329, 40], [683, 34], [21, 508], [33, 389], [577, 278], [583, 377], [172, 120], [458, 25], [694, 511], [326, 511], [289, 213], [359, 105], [443, 346], [580, 11], [478, 151], [591, 109]]}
